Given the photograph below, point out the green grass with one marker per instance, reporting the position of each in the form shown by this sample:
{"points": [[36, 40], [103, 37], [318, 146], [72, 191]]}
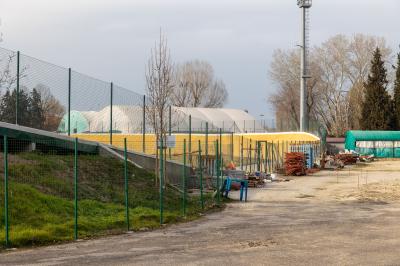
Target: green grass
{"points": [[41, 199]]}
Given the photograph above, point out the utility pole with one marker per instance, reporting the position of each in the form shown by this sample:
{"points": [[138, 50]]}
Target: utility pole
{"points": [[304, 5]]}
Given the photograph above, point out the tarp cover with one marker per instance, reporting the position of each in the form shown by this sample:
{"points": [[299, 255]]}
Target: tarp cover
{"points": [[384, 144]]}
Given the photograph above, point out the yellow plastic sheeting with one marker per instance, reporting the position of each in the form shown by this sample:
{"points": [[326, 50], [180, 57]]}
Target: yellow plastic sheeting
{"points": [[278, 143]]}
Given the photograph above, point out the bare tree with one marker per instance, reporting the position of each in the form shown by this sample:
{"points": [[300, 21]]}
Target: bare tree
{"points": [[285, 73], [53, 110], [196, 86], [339, 68], [8, 75], [159, 87]]}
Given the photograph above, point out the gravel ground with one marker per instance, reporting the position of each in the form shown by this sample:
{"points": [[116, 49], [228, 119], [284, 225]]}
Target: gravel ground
{"points": [[349, 217]]}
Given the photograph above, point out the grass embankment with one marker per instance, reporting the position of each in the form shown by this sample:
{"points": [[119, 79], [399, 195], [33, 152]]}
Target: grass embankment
{"points": [[41, 202]]}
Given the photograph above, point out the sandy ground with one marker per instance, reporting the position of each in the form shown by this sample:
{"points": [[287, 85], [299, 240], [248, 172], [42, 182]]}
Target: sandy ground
{"points": [[349, 217]]}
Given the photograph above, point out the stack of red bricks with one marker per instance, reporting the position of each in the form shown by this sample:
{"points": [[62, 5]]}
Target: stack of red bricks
{"points": [[295, 163]]}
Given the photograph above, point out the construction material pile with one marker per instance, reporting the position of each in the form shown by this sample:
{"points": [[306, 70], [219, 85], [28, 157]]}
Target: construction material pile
{"points": [[347, 158], [255, 180], [295, 163]]}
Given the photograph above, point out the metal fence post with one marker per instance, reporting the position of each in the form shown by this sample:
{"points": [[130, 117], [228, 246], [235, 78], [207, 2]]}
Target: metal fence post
{"points": [[206, 147], [258, 156], [126, 185], [272, 156], [190, 140], [266, 157], [76, 189], [144, 125], [111, 112], [69, 102], [217, 169], [184, 180], [6, 215], [201, 176], [169, 128], [241, 153], [161, 181], [17, 92], [232, 146], [220, 142]]}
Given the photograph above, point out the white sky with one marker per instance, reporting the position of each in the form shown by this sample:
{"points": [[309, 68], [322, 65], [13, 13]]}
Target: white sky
{"points": [[111, 40]]}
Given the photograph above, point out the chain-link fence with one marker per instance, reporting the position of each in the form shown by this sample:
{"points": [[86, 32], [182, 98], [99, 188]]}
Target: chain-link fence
{"points": [[42, 95], [54, 190]]}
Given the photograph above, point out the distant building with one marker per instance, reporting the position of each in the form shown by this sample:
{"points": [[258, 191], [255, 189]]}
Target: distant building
{"points": [[128, 119]]}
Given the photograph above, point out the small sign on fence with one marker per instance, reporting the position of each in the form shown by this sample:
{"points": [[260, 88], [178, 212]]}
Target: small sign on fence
{"points": [[171, 141]]}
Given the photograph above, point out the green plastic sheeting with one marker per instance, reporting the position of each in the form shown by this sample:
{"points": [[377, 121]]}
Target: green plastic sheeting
{"points": [[79, 123], [352, 136]]}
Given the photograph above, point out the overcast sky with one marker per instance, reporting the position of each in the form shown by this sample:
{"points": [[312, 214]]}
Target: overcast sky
{"points": [[111, 40]]}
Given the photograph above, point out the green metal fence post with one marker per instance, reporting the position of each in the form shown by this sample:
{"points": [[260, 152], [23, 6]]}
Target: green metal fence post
{"points": [[201, 176], [250, 151], [76, 189], [6, 215], [111, 112], [220, 144], [258, 156], [190, 140], [217, 170], [169, 128], [206, 148], [241, 153], [232, 146], [161, 181], [184, 180], [126, 185], [144, 125], [272, 156], [266, 157], [69, 102], [17, 94]]}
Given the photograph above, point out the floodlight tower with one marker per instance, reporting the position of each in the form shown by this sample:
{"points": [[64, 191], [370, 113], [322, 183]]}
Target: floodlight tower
{"points": [[304, 5]]}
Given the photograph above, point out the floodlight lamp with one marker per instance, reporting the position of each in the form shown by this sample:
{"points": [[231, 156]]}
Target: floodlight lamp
{"points": [[304, 3]]}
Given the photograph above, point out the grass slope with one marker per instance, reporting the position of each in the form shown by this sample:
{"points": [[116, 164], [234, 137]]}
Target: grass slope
{"points": [[41, 198]]}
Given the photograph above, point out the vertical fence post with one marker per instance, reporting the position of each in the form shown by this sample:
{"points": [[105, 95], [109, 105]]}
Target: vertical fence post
{"points": [[76, 189], [6, 215], [17, 92], [241, 152], [232, 146], [161, 181], [144, 125], [250, 155], [111, 112], [190, 140], [184, 180], [170, 128], [266, 157], [206, 146], [217, 170], [258, 156], [69, 102], [126, 185], [201, 176], [220, 142], [272, 156]]}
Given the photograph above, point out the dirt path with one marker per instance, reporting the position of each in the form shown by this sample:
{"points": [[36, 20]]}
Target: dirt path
{"points": [[327, 218]]}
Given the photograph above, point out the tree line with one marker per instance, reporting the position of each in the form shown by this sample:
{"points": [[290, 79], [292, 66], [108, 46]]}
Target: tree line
{"points": [[343, 71], [37, 108]]}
